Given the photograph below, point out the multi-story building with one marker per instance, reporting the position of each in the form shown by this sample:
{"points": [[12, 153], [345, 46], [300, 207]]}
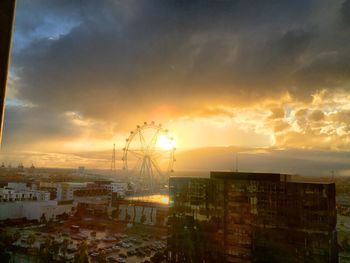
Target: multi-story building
{"points": [[8, 194], [91, 191], [251, 217], [18, 201], [117, 187], [65, 191]]}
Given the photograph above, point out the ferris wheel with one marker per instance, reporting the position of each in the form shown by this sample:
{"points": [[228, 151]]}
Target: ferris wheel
{"points": [[149, 153]]}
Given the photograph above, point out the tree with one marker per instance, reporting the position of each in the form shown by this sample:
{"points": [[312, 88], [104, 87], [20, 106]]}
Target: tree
{"points": [[16, 235], [127, 217], [143, 219], [43, 219], [115, 214], [5, 241], [101, 258], [64, 247], [345, 244], [31, 240], [65, 216], [81, 256], [45, 254]]}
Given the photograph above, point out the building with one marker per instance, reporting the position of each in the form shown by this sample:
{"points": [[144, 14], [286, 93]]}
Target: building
{"points": [[8, 194], [117, 187], [147, 213], [251, 217], [19, 201], [141, 211], [90, 191], [65, 191], [51, 189], [33, 210], [93, 207], [81, 170], [17, 185]]}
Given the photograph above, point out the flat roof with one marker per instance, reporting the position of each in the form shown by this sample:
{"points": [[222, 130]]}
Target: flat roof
{"points": [[245, 176], [272, 177]]}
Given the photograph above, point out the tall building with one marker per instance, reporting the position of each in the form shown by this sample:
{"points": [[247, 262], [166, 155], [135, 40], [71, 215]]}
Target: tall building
{"points": [[251, 217]]}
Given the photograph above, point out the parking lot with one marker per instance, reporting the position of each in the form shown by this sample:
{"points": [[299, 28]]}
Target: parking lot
{"points": [[119, 244]]}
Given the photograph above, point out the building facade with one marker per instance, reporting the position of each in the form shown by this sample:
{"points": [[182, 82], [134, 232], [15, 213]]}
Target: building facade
{"points": [[141, 212], [251, 217], [117, 187], [10, 195], [33, 210]]}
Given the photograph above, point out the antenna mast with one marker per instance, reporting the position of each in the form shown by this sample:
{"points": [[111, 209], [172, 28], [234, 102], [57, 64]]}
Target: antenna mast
{"points": [[113, 170], [236, 162]]}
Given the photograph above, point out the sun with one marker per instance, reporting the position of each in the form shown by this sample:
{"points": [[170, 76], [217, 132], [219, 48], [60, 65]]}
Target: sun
{"points": [[166, 143]]}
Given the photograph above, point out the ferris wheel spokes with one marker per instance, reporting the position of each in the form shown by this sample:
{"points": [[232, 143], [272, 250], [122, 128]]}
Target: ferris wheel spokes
{"points": [[165, 155], [153, 141], [146, 154], [137, 153], [142, 140], [157, 167]]}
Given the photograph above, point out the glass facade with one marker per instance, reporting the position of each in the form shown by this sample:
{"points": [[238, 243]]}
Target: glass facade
{"points": [[249, 217]]}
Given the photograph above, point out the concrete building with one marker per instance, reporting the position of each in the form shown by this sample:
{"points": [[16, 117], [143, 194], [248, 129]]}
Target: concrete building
{"points": [[251, 217], [142, 212], [17, 186], [65, 191], [9, 195], [90, 206], [117, 187], [33, 209]]}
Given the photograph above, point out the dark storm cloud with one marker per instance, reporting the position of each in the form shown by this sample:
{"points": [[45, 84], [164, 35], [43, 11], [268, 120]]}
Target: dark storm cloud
{"points": [[25, 125], [162, 47], [291, 161], [345, 14], [326, 70], [116, 59]]}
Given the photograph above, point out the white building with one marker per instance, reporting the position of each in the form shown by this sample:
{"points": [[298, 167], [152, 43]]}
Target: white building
{"points": [[33, 209], [18, 201], [10, 195], [18, 186]]}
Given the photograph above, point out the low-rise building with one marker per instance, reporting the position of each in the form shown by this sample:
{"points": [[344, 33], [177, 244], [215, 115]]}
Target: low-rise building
{"points": [[117, 187], [33, 210], [65, 191], [142, 212], [10, 195]]}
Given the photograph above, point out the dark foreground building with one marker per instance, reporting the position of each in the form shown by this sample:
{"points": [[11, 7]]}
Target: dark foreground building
{"points": [[251, 217]]}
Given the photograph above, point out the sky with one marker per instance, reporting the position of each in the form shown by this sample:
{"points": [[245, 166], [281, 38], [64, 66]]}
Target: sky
{"points": [[222, 75]]}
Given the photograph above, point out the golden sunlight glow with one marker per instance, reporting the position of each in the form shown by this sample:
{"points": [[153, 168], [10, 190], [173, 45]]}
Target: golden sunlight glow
{"points": [[166, 142], [160, 199], [164, 200]]}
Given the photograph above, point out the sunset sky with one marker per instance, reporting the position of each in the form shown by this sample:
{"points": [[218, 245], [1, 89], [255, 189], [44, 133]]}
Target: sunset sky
{"points": [[267, 78]]}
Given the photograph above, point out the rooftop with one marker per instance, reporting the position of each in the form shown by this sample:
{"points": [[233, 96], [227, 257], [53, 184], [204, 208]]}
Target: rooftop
{"points": [[264, 177], [272, 177], [245, 176]]}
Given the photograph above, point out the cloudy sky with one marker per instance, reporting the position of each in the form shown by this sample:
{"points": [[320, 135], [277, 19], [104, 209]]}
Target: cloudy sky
{"points": [[271, 76]]}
